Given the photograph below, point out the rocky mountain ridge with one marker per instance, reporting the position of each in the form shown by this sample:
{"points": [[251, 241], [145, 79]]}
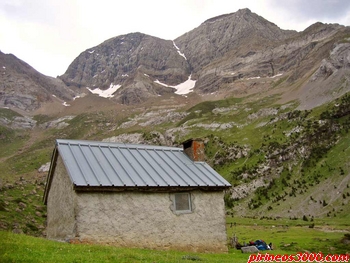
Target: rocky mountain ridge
{"points": [[129, 61], [25, 89], [223, 55], [237, 54]]}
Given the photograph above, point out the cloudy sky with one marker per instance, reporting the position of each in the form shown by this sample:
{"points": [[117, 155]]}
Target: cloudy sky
{"points": [[49, 34]]}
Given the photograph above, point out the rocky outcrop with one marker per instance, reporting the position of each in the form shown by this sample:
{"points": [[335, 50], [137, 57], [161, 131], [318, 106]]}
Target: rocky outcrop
{"points": [[18, 122], [339, 59], [330, 80]]}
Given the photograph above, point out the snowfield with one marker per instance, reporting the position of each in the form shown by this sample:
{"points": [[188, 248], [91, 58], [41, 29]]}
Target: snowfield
{"points": [[183, 88], [108, 93]]}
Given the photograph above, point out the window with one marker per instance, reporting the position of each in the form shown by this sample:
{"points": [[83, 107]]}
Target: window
{"points": [[183, 202]]}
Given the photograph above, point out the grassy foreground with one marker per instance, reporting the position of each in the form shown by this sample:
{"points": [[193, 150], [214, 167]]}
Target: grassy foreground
{"points": [[22, 248], [288, 237]]}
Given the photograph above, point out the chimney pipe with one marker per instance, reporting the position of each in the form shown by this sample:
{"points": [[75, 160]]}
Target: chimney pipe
{"points": [[194, 148]]}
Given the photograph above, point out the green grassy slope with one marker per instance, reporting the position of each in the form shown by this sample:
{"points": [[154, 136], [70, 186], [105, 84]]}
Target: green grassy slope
{"points": [[300, 158]]}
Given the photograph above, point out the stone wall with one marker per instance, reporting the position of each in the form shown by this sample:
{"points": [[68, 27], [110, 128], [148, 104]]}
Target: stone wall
{"points": [[61, 205], [146, 220]]}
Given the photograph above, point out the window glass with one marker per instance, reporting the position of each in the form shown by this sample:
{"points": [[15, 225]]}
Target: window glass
{"points": [[183, 202]]}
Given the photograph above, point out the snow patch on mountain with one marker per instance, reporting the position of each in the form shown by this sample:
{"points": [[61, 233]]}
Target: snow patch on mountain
{"points": [[183, 88], [178, 51], [108, 93]]}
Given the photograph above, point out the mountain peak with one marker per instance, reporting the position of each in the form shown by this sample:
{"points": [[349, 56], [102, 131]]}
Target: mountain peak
{"points": [[218, 18], [244, 11]]}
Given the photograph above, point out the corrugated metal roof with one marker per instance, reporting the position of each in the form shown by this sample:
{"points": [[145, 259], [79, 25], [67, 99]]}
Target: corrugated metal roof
{"points": [[128, 165]]}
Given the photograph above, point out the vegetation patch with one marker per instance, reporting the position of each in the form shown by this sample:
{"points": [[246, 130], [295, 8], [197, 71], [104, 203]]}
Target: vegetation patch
{"points": [[8, 114]]}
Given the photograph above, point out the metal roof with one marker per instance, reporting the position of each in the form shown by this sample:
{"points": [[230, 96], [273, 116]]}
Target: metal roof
{"points": [[129, 165]]}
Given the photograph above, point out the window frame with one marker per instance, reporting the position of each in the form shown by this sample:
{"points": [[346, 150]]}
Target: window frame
{"points": [[174, 205]]}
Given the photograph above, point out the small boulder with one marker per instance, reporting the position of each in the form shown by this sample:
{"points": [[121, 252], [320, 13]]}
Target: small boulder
{"points": [[22, 205], [249, 249]]}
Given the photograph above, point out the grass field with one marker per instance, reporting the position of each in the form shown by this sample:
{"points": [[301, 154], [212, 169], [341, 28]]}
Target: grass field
{"points": [[287, 236]]}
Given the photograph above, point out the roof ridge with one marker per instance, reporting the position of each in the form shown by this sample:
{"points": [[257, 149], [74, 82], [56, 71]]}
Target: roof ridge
{"points": [[116, 144]]}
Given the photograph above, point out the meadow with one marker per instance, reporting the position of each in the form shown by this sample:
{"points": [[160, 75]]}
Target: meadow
{"points": [[288, 237]]}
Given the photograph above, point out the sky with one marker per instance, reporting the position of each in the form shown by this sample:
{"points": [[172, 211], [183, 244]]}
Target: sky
{"points": [[50, 34]]}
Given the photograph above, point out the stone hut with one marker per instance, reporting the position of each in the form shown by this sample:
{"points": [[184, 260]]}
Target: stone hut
{"points": [[135, 196]]}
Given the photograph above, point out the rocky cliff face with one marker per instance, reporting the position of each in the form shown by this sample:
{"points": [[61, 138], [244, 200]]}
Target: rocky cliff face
{"points": [[243, 54], [331, 78], [22, 87], [133, 61], [242, 31]]}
